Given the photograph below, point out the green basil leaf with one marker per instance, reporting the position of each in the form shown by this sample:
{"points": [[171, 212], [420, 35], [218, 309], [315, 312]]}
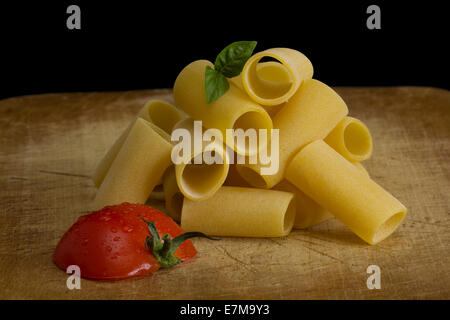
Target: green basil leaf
{"points": [[231, 60], [215, 84]]}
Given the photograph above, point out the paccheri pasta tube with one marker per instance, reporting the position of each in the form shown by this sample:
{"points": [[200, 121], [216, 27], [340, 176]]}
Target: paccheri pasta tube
{"points": [[352, 139], [309, 115], [242, 212], [352, 197], [162, 114], [159, 112], [138, 166], [173, 196], [274, 92], [233, 110], [202, 171], [271, 72], [308, 212]]}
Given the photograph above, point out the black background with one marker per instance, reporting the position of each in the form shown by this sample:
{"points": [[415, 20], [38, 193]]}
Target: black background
{"points": [[139, 45]]}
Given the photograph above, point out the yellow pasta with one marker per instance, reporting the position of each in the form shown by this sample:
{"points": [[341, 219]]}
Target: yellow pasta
{"points": [[273, 93], [361, 168], [309, 212], [138, 166], [158, 112], [270, 71], [202, 180], [105, 163], [352, 139], [352, 197], [241, 212], [173, 196], [273, 71], [309, 115], [232, 110], [162, 114]]}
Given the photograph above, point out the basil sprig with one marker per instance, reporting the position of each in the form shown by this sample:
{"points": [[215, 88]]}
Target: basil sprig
{"points": [[228, 64]]}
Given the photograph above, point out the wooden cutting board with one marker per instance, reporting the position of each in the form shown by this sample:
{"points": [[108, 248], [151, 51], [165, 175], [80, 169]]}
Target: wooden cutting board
{"points": [[51, 143]]}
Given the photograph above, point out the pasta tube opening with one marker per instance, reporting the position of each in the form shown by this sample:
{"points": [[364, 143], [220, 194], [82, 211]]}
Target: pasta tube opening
{"points": [[205, 167], [138, 166], [273, 71], [357, 139], [289, 217], [222, 114], [270, 71], [162, 114], [158, 120], [352, 139], [275, 92], [352, 197], [241, 212], [200, 181], [310, 114], [387, 227], [253, 120]]}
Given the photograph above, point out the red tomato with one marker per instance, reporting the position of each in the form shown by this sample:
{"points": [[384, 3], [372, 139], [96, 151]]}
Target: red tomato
{"points": [[110, 243]]}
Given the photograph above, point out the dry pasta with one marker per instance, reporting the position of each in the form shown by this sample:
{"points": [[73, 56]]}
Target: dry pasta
{"points": [[273, 73], [242, 212], [308, 212], [352, 197], [162, 114], [158, 112], [273, 92], [319, 175], [233, 110], [352, 139], [309, 115], [202, 180], [138, 166]]}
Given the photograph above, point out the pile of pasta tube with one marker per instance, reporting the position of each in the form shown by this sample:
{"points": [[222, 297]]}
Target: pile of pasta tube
{"points": [[320, 175]]}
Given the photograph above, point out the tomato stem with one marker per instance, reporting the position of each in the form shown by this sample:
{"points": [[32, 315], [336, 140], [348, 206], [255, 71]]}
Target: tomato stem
{"points": [[164, 251]]}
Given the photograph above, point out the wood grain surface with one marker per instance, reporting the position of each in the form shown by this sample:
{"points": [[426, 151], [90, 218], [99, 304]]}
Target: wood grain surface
{"points": [[51, 143]]}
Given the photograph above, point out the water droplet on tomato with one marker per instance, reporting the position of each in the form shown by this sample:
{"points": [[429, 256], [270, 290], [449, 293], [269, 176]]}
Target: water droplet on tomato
{"points": [[127, 229], [108, 248], [105, 218], [113, 230], [116, 238]]}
